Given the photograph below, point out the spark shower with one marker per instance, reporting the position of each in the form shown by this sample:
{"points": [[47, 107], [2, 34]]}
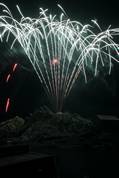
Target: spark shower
{"points": [[59, 49]]}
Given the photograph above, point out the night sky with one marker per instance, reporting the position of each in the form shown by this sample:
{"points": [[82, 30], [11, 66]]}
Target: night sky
{"points": [[82, 10]]}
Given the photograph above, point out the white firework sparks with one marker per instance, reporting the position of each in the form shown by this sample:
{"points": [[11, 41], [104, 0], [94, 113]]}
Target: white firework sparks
{"points": [[59, 49]]}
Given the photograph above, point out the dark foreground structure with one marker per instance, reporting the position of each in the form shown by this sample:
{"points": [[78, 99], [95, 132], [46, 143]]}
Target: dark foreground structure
{"points": [[91, 154], [17, 161]]}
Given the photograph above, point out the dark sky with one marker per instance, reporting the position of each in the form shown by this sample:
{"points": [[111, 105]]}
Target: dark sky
{"points": [[105, 11]]}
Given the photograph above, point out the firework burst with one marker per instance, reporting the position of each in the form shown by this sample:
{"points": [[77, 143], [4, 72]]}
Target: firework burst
{"points": [[59, 49]]}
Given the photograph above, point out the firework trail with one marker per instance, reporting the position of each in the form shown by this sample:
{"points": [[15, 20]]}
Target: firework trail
{"points": [[7, 104], [59, 49], [9, 76]]}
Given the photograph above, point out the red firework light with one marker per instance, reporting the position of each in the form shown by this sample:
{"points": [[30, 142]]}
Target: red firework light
{"points": [[8, 77], [55, 61], [7, 104], [14, 67]]}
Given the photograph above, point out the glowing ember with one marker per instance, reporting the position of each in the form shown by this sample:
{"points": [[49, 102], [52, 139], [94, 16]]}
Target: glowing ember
{"points": [[7, 104], [14, 67], [8, 77]]}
